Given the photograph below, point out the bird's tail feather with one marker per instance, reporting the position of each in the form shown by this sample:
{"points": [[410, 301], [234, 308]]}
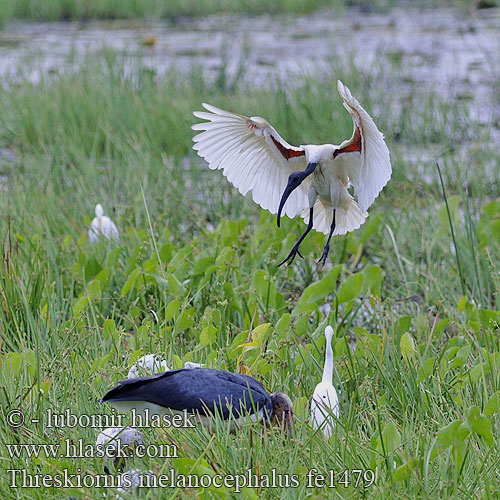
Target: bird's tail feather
{"points": [[347, 220]]}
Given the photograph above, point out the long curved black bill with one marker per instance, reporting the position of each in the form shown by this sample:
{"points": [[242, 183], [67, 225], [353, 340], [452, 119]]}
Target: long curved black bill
{"points": [[294, 181]]}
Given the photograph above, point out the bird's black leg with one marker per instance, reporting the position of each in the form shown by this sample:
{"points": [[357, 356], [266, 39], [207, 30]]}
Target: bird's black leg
{"points": [[323, 257], [295, 249]]}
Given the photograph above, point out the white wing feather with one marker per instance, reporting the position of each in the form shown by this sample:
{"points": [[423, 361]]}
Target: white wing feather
{"points": [[244, 150], [374, 170]]}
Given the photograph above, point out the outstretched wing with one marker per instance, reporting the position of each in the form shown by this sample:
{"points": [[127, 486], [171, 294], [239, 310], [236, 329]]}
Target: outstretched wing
{"points": [[253, 157], [373, 170]]}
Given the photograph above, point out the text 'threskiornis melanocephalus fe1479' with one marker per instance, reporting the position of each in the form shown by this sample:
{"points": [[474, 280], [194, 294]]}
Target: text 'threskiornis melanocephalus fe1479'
{"points": [[203, 392], [311, 180]]}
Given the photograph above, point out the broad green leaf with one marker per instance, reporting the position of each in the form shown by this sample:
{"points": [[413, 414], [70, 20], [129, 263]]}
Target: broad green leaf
{"points": [[407, 345], [13, 361], [207, 336], [80, 305], [403, 324], [460, 357], [404, 471], [172, 309], [92, 268], [462, 303], [425, 370], [29, 358], [283, 325], [186, 320], [493, 405], [175, 285], [479, 424], [452, 434], [94, 289], [201, 265], [492, 209], [259, 333], [317, 291], [478, 371], [373, 279], [351, 288], [371, 226], [440, 326], [391, 439], [109, 329], [129, 284], [489, 319]]}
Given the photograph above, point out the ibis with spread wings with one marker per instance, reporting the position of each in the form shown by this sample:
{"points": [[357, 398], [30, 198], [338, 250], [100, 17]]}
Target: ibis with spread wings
{"points": [[311, 181]]}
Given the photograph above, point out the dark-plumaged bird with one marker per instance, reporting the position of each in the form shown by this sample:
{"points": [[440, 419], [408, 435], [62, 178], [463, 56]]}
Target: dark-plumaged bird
{"points": [[311, 181], [204, 392]]}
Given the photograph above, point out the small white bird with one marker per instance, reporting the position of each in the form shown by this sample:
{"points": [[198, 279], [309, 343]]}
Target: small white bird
{"points": [[311, 181], [150, 364], [102, 225], [325, 402]]}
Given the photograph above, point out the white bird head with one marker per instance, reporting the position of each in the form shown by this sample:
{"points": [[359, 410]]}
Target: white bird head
{"points": [[99, 212], [329, 335]]}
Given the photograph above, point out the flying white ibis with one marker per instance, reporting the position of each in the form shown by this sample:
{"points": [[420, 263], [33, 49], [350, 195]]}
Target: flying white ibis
{"points": [[102, 225], [203, 392], [325, 402], [311, 181]]}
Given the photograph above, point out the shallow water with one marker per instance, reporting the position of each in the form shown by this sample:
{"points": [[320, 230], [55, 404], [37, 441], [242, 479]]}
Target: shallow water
{"points": [[442, 50]]}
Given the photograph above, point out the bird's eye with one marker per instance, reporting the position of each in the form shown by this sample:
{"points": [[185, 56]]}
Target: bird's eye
{"points": [[324, 397]]}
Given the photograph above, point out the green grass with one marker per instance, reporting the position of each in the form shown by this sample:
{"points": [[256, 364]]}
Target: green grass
{"points": [[419, 395], [63, 10], [66, 10]]}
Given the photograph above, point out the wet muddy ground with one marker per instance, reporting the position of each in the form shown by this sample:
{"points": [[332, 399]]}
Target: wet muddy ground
{"points": [[441, 50]]}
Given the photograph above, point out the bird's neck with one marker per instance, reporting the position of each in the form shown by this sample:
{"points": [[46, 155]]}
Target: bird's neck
{"points": [[328, 368]]}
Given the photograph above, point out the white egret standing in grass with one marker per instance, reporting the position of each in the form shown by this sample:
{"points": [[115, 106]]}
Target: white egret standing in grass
{"points": [[325, 402], [102, 225], [203, 392], [311, 181]]}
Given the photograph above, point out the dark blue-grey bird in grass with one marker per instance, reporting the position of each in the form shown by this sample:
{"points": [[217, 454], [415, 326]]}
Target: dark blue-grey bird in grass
{"points": [[203, 392]]}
